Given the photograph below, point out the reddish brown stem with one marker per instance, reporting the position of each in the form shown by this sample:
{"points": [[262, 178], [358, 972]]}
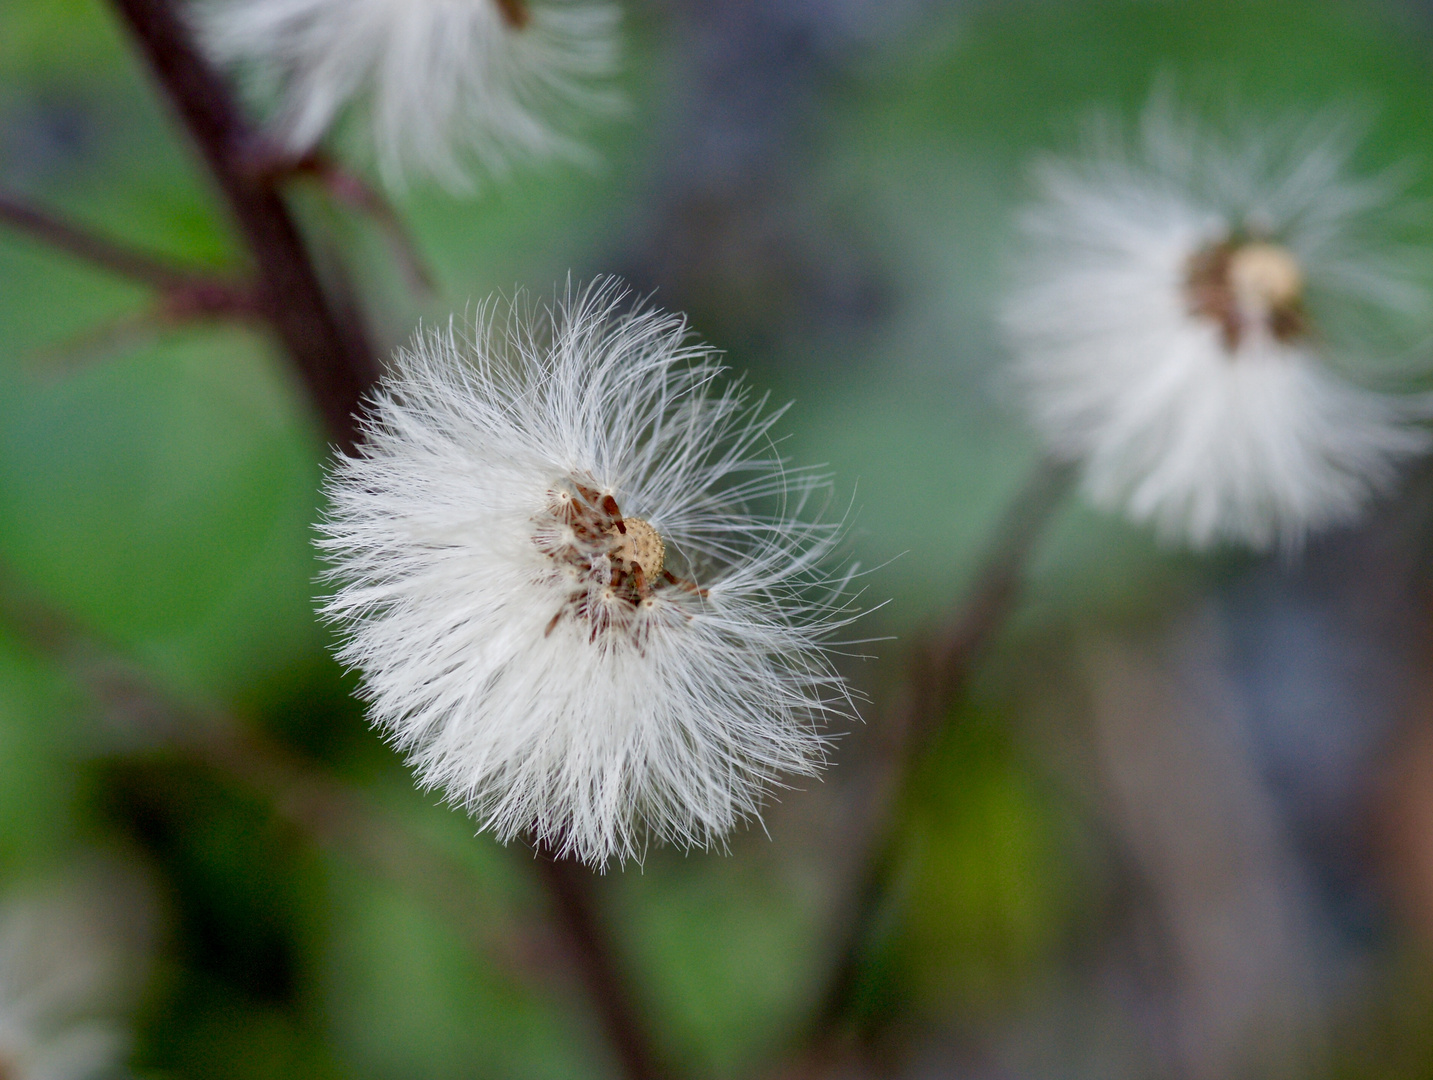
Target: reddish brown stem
{"points": [[110, 255], [569, 887], [185, 295], [333, 357], [332, 354], [353, 191], [939, 669]]}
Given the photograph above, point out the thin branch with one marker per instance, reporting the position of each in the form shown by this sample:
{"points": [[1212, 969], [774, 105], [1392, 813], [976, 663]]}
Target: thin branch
{"points": [[332, 354], [569, 886], [939, 668], [950, 656], [185, 295], [353, 191], [129, 331], [273, 163], [117, 258]]}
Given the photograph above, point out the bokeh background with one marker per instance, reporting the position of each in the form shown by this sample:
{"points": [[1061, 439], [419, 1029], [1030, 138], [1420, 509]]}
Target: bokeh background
{"points": [[1182, 823]]}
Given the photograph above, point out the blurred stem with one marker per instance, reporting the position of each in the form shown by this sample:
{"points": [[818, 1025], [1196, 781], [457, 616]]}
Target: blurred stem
{"points": [[569, 886], [331, 353], [341, 820], [571, 952], [334, 816], [353, 191], [939, 668], [216, 293], [128, 331]]}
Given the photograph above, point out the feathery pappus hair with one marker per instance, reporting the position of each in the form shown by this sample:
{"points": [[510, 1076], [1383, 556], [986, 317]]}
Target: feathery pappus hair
{"points": [[1186, 307], [556, 575], [451, 88]]}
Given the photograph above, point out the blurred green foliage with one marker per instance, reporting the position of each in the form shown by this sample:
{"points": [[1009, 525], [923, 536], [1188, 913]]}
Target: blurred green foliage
{"points": [[161, 491], [39, 755], [989, 887]]}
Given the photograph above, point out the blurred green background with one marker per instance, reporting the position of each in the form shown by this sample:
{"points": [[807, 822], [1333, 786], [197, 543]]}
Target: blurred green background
{"points": [[827, 186]]}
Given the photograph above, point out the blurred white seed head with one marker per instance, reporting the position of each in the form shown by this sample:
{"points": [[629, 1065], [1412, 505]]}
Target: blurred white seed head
{"points": [[556, 577], [452, 89], [1179, 323], [72, 954]]}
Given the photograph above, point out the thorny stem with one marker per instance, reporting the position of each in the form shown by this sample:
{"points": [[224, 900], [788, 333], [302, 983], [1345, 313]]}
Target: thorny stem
{"points": [[938, 670], [569, 887], [331, 352]]}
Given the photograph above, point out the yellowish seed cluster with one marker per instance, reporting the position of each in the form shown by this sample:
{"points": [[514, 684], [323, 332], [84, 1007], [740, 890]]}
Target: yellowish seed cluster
{"points": [[639, 547], [1265, 277], [615, 563], [1247, 287]]}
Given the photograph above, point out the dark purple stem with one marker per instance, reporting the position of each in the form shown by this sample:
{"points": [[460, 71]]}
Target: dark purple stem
{"points": [[331, 353], [338, 366]]}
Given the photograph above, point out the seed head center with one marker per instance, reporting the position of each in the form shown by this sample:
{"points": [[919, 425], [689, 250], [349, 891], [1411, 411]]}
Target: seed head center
{"points": [[1265, 276], [1247, 286], [614, 566], [639, 546]]}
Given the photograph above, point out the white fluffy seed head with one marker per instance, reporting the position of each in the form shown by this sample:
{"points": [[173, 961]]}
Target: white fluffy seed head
{"points": [[1170, 323], [452, 89], [556, 575]]}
